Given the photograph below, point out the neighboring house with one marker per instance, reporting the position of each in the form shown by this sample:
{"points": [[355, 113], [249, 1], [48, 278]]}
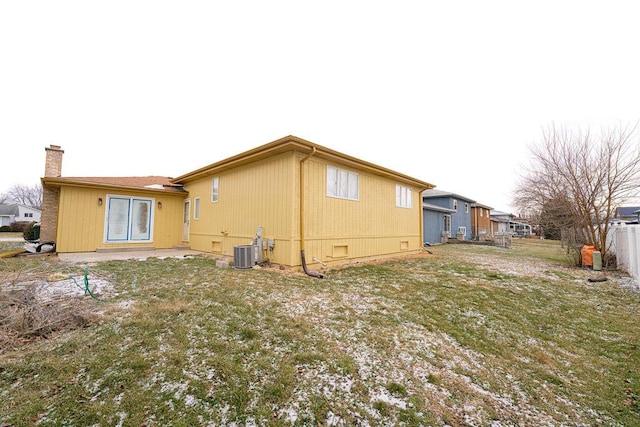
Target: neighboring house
{"points": [[15, 212], [480, 221], [436, 223], [455, 211], [291, 195], [506, 223], [500, 222], [627, 214]]}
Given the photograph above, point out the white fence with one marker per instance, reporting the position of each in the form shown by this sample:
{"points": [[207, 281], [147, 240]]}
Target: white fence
{"points": [[627, 246]]}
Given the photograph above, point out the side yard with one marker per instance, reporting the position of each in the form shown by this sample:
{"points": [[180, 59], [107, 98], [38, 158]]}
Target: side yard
{"points": [[466, 335]]}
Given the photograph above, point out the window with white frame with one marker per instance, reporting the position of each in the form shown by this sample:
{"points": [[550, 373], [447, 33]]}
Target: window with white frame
{"points": [[215, 189], [481, 212], [342, 183], [446, 226], [455, 204], [466, 208], [196, 208], [404, 197], [128, 219]]}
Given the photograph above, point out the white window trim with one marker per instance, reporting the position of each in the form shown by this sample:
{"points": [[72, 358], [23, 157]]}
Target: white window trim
{"points": [[341, 183], [196, 208], [129, 238], [404, 197], [215, 189]]}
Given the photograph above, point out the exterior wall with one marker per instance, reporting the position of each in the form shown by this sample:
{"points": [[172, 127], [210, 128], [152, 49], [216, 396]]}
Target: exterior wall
{"points": [[339, 231], [260, 194], [459, 218], [266, 194], [81, 220], [49, 216], [25, 211], [433, 224], [480, 223]]}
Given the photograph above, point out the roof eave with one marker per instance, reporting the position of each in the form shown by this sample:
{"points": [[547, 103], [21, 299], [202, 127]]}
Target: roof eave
{"points": [[59, 182], [293, 143]]}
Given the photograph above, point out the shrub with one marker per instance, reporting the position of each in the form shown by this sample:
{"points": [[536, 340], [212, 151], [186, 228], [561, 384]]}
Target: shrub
{"points": [[19, 226], [5, 229], [29, 232]]}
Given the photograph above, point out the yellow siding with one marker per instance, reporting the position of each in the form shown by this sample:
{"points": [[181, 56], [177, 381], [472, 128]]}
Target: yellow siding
{"points": [[252, 196], [340, 230], [81, 220], [265, 194]]}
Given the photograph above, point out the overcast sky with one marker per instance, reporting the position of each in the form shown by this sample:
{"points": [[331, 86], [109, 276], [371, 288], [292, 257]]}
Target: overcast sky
{"points": [[449, 92]]}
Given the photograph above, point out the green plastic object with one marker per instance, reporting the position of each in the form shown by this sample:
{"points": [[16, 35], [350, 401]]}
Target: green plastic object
{"points": [[597, 261]]}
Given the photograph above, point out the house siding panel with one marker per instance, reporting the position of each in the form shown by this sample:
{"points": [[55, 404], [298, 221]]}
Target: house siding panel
{"points": [[251, 196], [371, 226], [81, 220]]}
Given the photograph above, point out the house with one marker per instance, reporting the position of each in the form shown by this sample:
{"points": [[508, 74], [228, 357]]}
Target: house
{"points": [[288, 198], [627, 214], [436, 223], [480, 221], [505, 223], [15, 212], [446, 215], [500, 222]]}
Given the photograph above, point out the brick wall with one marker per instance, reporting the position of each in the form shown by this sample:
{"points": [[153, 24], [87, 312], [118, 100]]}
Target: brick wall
{"points": [[50, 196]]}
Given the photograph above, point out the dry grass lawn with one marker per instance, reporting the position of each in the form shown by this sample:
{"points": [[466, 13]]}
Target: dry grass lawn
{"points": [[467, 335]]}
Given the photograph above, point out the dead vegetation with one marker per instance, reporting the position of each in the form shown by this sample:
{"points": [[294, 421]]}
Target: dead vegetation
{"points": [[34, 307]]}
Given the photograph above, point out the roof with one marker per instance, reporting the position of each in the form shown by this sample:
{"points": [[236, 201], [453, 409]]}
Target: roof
{"points": [[293, 143], [9, 209], [436, 208], [147, 183], [432, 194], [625, 211], [480, 205]]}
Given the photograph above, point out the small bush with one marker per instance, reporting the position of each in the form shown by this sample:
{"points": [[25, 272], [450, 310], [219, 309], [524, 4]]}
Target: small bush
{"points": [[5, 229], [19, 226], [29, 232]]}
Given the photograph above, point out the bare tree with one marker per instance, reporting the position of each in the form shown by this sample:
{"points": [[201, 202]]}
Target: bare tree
{"points": [[26, 195], [577, 179]]}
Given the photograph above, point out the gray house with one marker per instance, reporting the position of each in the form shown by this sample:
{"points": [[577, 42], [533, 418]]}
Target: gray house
{"points": [[14, 212], [445, 215], [629, 214]]}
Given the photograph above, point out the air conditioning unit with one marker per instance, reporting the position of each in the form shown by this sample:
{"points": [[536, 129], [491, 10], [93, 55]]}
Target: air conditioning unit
{"points": [[244, 256], [462, 230]]}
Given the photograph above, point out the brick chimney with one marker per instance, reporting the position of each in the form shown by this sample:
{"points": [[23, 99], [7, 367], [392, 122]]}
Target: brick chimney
{"points": [[50, 195], [53, 163]]}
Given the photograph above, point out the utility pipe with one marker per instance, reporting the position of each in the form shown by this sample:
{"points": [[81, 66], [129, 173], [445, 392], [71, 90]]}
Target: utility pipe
{"points": [[301, 199]]}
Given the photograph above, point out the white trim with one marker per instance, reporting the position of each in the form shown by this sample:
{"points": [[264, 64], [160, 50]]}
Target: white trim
{"points": [[133, 233]]}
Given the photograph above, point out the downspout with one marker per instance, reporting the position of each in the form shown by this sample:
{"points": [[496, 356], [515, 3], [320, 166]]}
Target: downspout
{"points": [[422, 242], [301, 199]]}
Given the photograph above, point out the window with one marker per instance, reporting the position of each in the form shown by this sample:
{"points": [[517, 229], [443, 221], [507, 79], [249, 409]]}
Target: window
{"points": [[342, 183], [447, 225], [403, 197], [455, 204], [128, 219], [28, 215], [466, 208], [481, 212], [215, 189], [196, 208]]}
